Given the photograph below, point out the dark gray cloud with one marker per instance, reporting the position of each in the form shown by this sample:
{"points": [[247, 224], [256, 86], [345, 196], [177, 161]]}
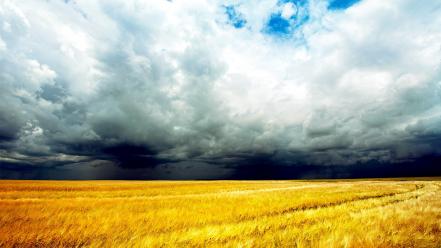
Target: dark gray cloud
{"points": [[161, 89]]}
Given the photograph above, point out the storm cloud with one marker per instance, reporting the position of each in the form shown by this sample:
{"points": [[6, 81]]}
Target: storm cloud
{"points": [[219, 89]]}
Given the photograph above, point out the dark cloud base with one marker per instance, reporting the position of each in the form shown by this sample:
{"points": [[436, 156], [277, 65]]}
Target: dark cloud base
{"points": [[265, 170], [427, 166]]}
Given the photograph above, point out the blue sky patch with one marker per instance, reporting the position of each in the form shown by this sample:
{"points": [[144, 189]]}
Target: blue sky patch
{"points": [[278, 25], [289, 17], [235, 18], [341, 4]]}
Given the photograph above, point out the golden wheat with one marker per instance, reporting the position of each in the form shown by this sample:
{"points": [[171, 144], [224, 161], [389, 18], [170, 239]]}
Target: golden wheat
{"points": [[351, 213]]}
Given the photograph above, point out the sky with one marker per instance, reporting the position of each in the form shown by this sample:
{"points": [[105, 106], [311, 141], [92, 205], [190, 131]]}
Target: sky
{"points": [[205, 89]]}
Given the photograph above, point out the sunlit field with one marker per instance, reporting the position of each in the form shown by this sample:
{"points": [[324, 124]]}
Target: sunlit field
{"points": [[349, 213]]}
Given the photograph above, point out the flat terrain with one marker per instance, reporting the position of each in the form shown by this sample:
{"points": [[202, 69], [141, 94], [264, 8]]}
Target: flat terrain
{"points": [[348, 213]]}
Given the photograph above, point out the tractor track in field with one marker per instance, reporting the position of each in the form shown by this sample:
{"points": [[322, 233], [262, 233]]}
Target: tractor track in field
{"points": [[334, 204], [310, 222], [293, 210], [314, 221], [396, 201]]}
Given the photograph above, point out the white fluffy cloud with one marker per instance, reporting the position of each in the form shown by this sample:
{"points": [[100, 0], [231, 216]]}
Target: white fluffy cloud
{"points": [[175, 77]]}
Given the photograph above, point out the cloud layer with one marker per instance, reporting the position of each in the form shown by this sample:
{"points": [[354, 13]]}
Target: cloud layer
{"points": [[207, 84]]}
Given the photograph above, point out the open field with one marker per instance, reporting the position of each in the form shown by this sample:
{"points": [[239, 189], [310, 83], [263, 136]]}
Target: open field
{"points": [[349, 213]]}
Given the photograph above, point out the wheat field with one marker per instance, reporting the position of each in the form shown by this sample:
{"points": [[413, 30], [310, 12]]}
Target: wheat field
{"points": [[348, 213]]}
